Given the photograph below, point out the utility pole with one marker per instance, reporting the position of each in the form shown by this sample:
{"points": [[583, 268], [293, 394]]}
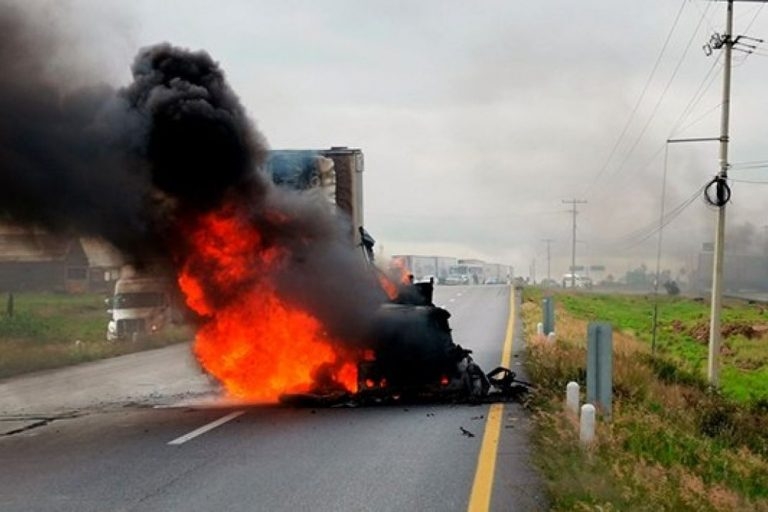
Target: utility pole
{"points": [[728, 43], [713, 361], [548, 241], [573, 203]]}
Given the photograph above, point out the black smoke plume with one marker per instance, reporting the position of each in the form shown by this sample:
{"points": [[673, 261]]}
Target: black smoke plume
{"points": [[133, 165], [118, 164]]}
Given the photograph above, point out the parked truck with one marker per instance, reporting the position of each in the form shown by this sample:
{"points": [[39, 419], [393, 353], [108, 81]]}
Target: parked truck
{"points": [[140, 306]]}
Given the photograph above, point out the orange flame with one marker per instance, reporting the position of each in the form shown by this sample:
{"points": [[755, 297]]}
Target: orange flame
{"points": [[400, 271], [256, 344], [388, 286]]}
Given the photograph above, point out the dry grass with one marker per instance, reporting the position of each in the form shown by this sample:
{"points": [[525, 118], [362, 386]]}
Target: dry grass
{"points": [[670, 444]]}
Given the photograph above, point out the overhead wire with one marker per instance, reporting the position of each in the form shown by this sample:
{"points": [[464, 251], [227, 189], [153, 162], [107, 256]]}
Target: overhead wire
{"points": [[701, 117], [701, 90], [641, 235], [664, 92], [753, 182], [640, 98], [752, 50], [754, 18], [753, 164], [710, 24]]}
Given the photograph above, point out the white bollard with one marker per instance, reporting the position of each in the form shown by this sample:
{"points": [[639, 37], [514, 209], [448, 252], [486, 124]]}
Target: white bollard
{"points": [[551, 338], [540, 329], [572, 398], [587, 424]]}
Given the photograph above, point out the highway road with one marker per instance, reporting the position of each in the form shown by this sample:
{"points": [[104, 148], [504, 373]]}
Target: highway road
{"points": [[116, 435]]}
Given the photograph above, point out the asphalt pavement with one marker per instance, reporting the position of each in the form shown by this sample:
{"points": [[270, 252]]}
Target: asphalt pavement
{"points": [[138, 448]]}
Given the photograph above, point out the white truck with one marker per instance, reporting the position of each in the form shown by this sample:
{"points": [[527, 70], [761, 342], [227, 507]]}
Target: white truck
{"points": [[139, 307]]}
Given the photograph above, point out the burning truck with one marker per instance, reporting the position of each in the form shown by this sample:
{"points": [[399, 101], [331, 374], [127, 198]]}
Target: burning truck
{"points": [[410, 353], [170, 168]]}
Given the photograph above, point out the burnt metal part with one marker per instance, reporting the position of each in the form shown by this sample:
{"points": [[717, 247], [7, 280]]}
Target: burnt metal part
{"points": [[500, 389], [415, 360]]}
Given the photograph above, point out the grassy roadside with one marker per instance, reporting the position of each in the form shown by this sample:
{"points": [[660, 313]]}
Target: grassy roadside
{"points": [[683, 334], [49, 330], [671, 444]]}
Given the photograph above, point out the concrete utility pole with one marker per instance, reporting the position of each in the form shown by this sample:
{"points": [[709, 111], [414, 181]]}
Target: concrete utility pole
{"points": [[727, 42], [713, 362], [548, 241], [573, 203]]}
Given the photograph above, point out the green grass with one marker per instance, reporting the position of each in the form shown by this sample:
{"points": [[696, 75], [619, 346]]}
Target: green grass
{"points": [[683, 333], [49, 330], [672, 444]]}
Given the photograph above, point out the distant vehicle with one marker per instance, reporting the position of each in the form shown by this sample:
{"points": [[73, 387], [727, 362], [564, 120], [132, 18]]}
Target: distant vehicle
{"points": [[457, 279], [140, 306], [579, 281], [549, 283]]}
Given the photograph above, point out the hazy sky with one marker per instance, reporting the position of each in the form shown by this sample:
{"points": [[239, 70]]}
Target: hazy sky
{"points": [[477, 118]]}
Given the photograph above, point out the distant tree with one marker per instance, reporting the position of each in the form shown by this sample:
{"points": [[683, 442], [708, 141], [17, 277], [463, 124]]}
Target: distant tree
{"points": [[639, 276], [672, 288]]}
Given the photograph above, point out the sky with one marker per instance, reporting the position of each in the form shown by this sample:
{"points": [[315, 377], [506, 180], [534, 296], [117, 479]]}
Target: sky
{"points": [[478, 119]]}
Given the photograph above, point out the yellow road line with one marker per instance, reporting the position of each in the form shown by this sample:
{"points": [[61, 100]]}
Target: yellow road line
{"points": [[482, 488]]}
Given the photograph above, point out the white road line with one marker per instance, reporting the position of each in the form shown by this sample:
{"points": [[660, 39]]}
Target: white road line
{"points": [[206, 428]]}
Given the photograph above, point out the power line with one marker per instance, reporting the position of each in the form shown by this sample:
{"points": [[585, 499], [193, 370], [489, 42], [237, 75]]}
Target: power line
{"points": [[642, 234], [753, 182], [641, 97], [704, 15], [704, 86], [664, 92], [757, 13], [701, 117]]}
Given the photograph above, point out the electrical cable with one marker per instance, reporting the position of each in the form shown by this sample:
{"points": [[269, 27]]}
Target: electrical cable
{"points": [[664, 92], [722, 192], [642, 234], [752, 182], [757, 13], [704, 14], [641, 97], [704, 86], [701, 117]]}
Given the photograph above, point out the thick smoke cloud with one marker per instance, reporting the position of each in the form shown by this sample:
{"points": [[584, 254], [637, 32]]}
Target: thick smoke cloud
{"points": [[200, 143], [60, 167], [134, 166], [324, 273], [118, 164]]}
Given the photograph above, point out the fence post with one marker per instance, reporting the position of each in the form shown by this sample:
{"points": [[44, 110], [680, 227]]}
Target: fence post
{"points": [[600, 366], [572, 397], [548, 310], [587, 424]]}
